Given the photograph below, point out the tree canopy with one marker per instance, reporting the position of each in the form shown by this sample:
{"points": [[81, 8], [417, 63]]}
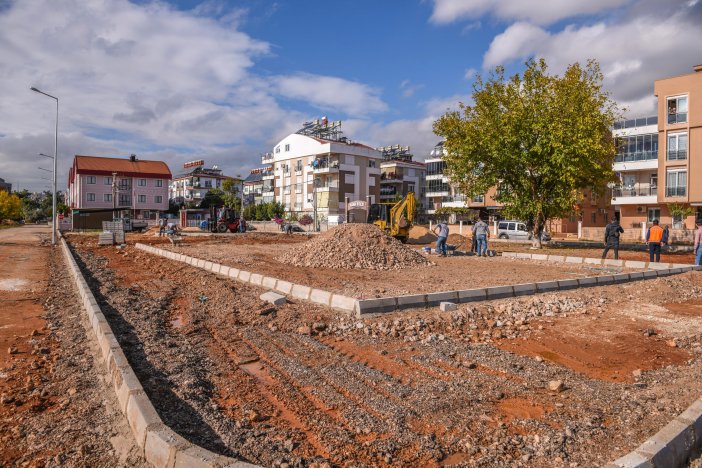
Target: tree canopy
{"points": [[538, 138], [10, 206]]}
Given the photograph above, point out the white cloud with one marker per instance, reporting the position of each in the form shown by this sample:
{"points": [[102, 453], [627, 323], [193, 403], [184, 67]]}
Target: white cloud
{"points": [[408, 89], [519, 40], [538, 12], [331, 93], [470, 73]]}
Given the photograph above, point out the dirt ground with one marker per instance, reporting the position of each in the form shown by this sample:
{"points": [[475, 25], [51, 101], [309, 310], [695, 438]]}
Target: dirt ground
{"points": [[259, 253], [300, 384], [55, 407]]}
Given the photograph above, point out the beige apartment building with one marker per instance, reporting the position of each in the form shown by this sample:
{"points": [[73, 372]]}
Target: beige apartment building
{"points": [[399, 175], [317, 166]]}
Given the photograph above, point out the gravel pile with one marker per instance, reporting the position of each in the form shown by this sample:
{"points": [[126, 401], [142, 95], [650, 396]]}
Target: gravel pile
{"points": [[354, 246]]}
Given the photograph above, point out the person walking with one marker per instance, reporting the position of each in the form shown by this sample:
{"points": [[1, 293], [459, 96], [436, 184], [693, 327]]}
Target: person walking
{"points": [[698, 243], [481, 232], [441, 240], [611, 238], [654, 238]]}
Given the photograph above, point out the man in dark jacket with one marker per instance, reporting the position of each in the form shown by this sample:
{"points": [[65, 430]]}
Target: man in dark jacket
{"points": [[612, 233]]}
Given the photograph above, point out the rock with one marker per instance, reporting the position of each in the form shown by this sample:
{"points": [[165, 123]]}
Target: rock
{"points": [[672, 343], [12, 350], [289, 445], [469, 364], [254, 416], [556, 386], [304, 330], [636, 373], [319, 326], [649, 332], [539, 359], [72, 391]]}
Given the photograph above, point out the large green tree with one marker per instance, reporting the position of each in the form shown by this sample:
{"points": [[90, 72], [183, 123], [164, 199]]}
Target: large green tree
{"points": [[540, 138], [232, 193]]}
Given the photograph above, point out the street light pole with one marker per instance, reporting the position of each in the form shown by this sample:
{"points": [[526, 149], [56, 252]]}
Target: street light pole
{"points": [[53, 208]]}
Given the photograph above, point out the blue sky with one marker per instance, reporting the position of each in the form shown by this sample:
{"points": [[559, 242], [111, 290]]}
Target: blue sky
{"points": [[224, 80]]}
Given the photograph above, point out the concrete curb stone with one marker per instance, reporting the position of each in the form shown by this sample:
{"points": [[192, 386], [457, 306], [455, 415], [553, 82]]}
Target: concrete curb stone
{"points": [[319, 296], [435, 299], [472, 295], [546, 286], [344, 303], [412, 301], [371, 306], [525, 289], [499, 292], [301, 292]]}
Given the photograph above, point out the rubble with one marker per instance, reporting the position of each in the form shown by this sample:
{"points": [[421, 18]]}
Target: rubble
{"points": [[354, 246]]}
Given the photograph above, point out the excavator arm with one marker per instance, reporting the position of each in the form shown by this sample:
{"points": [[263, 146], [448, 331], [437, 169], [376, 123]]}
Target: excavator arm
{"points": [[402, 214]]}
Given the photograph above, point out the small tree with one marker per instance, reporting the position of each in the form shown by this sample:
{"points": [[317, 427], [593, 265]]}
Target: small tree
{"points": [[539, 138], [213, 197], [678, 210], [305, 220], [231, 193], [10, 206]]}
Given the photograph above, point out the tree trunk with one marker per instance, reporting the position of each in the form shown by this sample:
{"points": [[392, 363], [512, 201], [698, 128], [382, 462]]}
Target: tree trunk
{"points": [[538, 229]]}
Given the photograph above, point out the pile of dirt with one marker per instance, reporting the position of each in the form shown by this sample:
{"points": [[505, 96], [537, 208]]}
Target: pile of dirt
{"points": [[457, 240], [421, 235], [354, 246]]}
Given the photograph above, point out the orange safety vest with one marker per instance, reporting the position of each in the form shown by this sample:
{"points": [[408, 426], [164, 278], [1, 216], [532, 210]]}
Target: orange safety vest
{"points": [[655, 234]]}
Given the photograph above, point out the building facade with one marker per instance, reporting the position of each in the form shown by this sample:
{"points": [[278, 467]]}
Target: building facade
{"points": [[191, 185], [5, 186], [317, 166], [680, 148], [399, 175], [134, 185], [258, 190]]}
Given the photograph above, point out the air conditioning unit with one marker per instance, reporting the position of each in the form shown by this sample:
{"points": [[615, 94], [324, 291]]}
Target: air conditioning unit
{"points": [[640, 209]]}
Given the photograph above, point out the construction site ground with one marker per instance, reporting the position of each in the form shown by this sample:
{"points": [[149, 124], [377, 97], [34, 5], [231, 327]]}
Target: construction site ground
{"points": [[573, 378], [259, 253]]}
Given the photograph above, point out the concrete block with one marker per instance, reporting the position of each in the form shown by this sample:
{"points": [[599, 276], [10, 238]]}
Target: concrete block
{"points": [[665, 272], [198, 457], [537, 256], [434, 299], [568, 284], [373, 306], [233, 273], [244, 276], [524, 255], [499, 292], [650, 274], [556, 258], [448, 306], [114, 360], [681, 265], [634, 264], [268, 282], [546, 286], [208, 265], [605, 279], [697, 267], [622, 278], [593, 261], [633, 460], [224, 270], [612, 262], [636, 276], [126, 384], [273, 298], [256, 279], [525, 289], [509, 254], [214, 268], [319, 296], [472, 295], [344, 303], [676, 271], [301, 292], [284, 287], [141, 415], [200, 263], [671, 446], [412, 301], [161, 446]]}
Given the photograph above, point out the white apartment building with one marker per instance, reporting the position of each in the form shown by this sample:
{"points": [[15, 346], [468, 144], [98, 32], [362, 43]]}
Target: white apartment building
{"points": [[318, 164], [192, 185]]}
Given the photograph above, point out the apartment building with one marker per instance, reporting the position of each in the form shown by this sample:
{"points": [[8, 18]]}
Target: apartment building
{"points": [[680, 148], [258, 190], [5, 186], [318, 165], [192, 184], [136, 186], [399, 175]]}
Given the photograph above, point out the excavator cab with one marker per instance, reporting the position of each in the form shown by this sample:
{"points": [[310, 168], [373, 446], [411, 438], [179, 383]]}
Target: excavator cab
{"points": [[395, 219]]}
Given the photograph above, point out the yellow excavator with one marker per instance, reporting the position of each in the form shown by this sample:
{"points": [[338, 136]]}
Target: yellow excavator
{"points": [[394, 219]]}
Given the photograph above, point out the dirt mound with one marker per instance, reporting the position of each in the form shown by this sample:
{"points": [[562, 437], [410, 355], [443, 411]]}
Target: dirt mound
{"points": [[456, 239], [354, 246], [421, 235]]}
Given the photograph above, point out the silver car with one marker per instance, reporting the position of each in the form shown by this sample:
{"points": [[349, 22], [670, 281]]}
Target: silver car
{"points": [[517, 230]]}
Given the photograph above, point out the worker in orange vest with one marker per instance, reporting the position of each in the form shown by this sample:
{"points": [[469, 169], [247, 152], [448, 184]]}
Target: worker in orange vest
{"points": [[654, 238]]}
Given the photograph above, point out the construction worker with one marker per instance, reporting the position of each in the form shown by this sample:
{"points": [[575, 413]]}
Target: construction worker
{"points": [[481, 232], [698, 243], [611, 238], [441, 240], [161, 226], [654, 238]]}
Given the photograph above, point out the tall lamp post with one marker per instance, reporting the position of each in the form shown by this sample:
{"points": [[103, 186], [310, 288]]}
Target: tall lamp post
{"points": [[53, 207]]}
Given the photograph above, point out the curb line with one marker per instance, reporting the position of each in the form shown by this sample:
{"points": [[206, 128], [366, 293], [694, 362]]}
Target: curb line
{"points": [[159, 444]]}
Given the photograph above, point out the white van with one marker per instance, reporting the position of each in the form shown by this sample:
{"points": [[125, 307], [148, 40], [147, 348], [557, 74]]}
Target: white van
{"points": [[512, 230]]}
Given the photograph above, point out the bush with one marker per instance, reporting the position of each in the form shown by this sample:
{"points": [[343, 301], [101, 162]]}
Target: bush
{"points": [[305, 220]]}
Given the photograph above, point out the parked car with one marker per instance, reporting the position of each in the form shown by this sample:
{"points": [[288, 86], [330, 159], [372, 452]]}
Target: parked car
{"points": [[517, 230]]}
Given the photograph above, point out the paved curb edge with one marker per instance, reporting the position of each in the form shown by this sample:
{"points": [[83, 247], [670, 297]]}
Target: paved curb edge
{"points": [[159, 444]]}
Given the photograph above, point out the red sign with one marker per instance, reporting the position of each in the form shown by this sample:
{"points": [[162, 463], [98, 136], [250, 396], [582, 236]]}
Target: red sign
{"points": [[199, 162], [61, 216]]}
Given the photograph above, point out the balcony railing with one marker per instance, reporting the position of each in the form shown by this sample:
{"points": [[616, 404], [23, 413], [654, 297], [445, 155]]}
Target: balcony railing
{"points": [[635, 191], [638, 156], [675, 191], [680, 117], [640, 122], [266, 158], [319, 164], [677, 155]]}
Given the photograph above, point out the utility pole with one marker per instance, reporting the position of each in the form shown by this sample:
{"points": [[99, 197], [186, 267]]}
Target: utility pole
{"points": [[114, 196]]}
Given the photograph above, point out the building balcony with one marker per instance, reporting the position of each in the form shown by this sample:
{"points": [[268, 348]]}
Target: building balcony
{"points": [[391, 179], [330, 187], [675, 191], [268, 176], [679, 155], [635, 195], [267, 158], [324, 166], [438, 194]]}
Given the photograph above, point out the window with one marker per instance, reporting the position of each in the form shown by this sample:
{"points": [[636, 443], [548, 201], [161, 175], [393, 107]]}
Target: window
{"points": [[512, 226], [91, 179], [677, 146], [107, 180], [159, 183], [125, 199], [502, 226], [90, 196], [478, 199], [107, 197], [287, 147], [371, 163], [298, 165], [593, 217], [678, 221], [677, 110], [146, 214], [158, 199], [277, 149], [676, 183], [142, 183], [125, 184], [654, 213], [142, 198]]}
